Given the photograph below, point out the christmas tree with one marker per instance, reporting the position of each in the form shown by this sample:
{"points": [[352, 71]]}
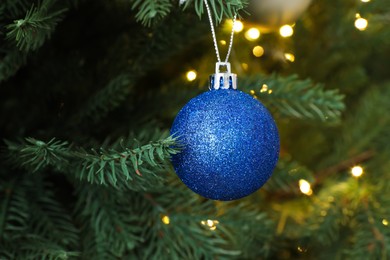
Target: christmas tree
{"points": [[89, 91]]}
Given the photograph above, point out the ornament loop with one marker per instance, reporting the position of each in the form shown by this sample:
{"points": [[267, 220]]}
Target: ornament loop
{"points": [[225, 79], [218, 66]]}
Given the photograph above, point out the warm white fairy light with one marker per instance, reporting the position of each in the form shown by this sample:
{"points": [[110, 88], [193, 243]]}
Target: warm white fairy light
{"points": [[357, 171], [360, 23], [286, 31], [258, 51], [264, 88], [238, 26], [365, 1], [191, 75], [166, 220], [252, 34], [289, 57], [385, 222], [222, 42], [212, 224], [305, 187]]}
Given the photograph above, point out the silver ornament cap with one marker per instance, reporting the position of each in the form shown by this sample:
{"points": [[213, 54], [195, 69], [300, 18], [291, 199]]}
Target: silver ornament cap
{"points": [[223, 79]]}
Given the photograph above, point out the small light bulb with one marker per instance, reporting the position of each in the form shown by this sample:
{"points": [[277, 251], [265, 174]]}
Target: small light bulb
{"points": [[365, 1], [165, 219], [385, 222], [264, 88], [245, 66], [305, 187], [361, 24], [191, 75], [252, 34], [286, 30], [258, 51], [212, 224], [357, 171], [223, 42], [289, 57], [238, 26]]}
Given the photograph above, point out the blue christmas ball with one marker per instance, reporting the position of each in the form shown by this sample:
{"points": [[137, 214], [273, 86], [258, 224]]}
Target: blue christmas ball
{"points": [[230, 144]]}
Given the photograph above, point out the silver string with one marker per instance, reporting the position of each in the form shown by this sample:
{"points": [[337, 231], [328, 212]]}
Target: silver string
{"points": [[215, 37]]}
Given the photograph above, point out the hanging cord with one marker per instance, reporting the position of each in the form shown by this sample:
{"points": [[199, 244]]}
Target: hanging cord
{"points": [[215, 37]]}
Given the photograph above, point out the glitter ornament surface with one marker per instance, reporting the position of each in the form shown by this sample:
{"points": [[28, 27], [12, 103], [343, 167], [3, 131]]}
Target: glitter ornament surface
{"points": [[230, 144]]}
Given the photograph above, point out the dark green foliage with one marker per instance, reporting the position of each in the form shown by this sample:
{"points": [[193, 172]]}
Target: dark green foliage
{"points": [[13, 8], [82, 188], [11, 63], [33, 223], [110, 226], [106, 99], [151, 11], [31, 32]]}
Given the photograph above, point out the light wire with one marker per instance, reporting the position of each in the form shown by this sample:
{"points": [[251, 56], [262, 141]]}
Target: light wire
{"points": [[215, 37]]}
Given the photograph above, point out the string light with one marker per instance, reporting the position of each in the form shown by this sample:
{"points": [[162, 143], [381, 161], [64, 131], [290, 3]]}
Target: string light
{"points": [[305, 187], [301, 249], [289, 57], [252, 34], [385, 222], [191, 75], [264, 88], [165, 219], [258, 51], [365, 1], [360, 23], [286, 31], [222, 42], [245, 66], [357, 171], [238, 26], [212, 224]]}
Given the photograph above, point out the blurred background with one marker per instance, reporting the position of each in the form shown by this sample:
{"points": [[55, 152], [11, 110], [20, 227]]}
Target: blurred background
{"points": [[88, 93]]}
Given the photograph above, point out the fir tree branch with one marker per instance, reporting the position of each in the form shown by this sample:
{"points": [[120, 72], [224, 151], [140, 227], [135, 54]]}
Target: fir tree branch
{"points": [[114, 166], [151, 11], [48, 217], [14, 8], [358, 134], [32, 211], [109, 222], [175, 228], [285, 178], [106, 99], [31, 32], [111, 167], [219, 8], [296, 98], [14, 214], [35, 154], [35, 247], [343, 165]]}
